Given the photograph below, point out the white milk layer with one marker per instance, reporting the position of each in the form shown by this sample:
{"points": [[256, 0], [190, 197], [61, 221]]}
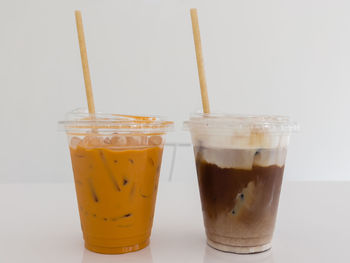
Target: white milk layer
{"points": [[241, 150], [242, 159]]}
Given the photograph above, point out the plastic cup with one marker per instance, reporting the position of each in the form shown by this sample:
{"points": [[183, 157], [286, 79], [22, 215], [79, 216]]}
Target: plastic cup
{"points": [[116, 161], [240, 162]]}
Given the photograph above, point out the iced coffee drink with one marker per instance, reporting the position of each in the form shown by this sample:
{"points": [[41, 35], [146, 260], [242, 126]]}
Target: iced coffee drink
{"points": [[116, 162], [240, 162]]}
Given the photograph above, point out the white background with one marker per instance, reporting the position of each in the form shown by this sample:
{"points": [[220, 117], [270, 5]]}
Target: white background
{"points": [[262, 56]]}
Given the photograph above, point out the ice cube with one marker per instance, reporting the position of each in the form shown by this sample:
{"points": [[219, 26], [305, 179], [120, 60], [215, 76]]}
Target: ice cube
{"points": [[92, 141], [268, 157], [155, 140], [143, 140], [118, 140], [133, 140], [107, 141], [228, 158], [74, 142]]}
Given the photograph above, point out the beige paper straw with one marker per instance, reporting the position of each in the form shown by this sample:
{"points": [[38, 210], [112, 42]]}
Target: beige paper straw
{"points": [[200, 62], [84, 62]]}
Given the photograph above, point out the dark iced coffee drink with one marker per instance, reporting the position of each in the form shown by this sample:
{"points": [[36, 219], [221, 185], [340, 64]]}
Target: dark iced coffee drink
{"points": [[240, 163], [239, 203]]}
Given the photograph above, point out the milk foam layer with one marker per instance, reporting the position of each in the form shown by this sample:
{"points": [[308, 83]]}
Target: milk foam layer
{"points": [[240, 131], [240, 140]]}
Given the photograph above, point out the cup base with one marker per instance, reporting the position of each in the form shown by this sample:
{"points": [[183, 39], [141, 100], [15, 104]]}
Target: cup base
{"points": [[239, 249], [117, 250]]}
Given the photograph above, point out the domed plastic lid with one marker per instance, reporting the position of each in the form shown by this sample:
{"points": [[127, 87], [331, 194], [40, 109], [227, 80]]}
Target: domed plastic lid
{"points": [[231, 123], [81, 122]]}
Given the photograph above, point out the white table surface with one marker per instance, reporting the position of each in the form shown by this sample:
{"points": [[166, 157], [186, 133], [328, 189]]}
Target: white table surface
{"points": [[39, 223]]}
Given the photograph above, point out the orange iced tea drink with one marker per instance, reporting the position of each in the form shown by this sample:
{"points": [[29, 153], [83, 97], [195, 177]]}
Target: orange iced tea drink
{"points": [[116, 180]]}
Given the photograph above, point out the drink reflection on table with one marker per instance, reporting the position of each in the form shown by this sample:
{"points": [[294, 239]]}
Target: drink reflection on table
{"points": [[213, 255], [143, 255]]}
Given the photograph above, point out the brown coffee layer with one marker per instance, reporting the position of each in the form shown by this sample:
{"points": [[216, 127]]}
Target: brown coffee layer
{"points": [[239, 206]]}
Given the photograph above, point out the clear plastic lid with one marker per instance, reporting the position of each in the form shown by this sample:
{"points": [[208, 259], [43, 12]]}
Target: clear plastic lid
{"points": [[231, 123], [79, 121]]}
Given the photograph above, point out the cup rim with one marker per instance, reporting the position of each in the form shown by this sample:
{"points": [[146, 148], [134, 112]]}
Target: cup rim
{"points": [[225, 122], [79, 121]]}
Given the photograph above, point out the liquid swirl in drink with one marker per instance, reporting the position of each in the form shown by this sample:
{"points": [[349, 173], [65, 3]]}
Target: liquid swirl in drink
{"points": [[240, 200]]}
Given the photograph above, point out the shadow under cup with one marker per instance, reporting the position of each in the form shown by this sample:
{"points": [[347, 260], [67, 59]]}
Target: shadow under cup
{"points": [[116, 161], [240, 163]]}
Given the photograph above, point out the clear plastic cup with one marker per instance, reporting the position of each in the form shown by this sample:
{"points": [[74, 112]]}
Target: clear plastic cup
{"points": [[240, 162], [116, 161]]}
